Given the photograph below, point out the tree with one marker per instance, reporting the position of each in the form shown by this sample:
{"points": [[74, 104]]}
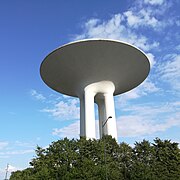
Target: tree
{"points": [[56, 161], [23, 175], [125, 154], [91, 159], [167, 163], [142, 161]]}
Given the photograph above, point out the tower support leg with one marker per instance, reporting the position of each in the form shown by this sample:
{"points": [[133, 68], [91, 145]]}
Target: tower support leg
{"points": [[89, 115], [82, 118], [110, 127], [101, 110]]}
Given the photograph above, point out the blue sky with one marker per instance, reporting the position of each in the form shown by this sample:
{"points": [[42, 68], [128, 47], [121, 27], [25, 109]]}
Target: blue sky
{"points": [[32, 114]]}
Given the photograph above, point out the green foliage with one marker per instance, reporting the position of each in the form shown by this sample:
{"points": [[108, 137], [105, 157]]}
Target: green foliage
{"points": [[92, 159], [167, 161], [143, 161]]}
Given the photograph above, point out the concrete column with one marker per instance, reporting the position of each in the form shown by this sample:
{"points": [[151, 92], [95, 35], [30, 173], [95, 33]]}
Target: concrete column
{"points": [[89, 114], [110, 127], [101, 112], [82, 117]]}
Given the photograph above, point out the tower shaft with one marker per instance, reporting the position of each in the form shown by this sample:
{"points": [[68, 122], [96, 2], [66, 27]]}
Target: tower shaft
{"points": [[102, 94]]}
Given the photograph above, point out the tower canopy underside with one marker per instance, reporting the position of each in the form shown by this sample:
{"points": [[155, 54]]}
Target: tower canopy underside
{"points": [[70, 68]]}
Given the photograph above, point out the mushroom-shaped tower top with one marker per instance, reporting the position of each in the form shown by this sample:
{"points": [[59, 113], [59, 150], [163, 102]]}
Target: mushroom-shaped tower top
{"points": [[70, 68]]}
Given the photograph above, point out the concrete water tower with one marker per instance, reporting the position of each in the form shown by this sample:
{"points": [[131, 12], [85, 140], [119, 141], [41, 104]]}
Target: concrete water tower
{"points": [[95, 71]]}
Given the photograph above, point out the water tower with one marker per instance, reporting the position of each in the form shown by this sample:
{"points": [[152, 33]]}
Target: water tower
{"points": [[95, 71]]}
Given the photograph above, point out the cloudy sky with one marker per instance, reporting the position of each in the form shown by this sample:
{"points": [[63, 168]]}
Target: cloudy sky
{"points": [[32, 114]]}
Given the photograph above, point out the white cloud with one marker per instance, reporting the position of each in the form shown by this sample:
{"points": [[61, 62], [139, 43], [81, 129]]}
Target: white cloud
{"points": [[141, 18], [13, 168], [178, 47], [37, 95], [169, 72], [154, 2], [92, 22], [25, 144], [4, 157], [142, 14], [132, 19], [71, 131], [17, 152], [147, 119], [115, 28], [129, 26], [2, 173], [8, 150], [140, 120], [131, 126], [153, 110], [3, 144], [106, 29], [147, 87], [65, 110]]}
